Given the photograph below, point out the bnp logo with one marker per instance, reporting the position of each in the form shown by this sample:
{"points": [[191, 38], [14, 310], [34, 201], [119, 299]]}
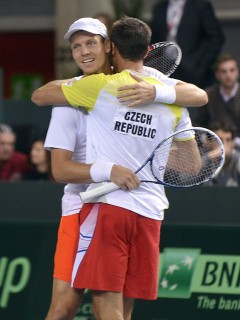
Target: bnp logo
{"points": [[176, 274], [184, 271]]}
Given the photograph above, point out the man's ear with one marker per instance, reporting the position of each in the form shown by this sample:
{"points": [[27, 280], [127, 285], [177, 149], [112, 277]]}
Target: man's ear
{"points": [[107, 45], [113, 49]]}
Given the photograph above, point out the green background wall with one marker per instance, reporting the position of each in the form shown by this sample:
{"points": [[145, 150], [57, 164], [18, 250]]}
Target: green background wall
{"points": [[205, 220]]}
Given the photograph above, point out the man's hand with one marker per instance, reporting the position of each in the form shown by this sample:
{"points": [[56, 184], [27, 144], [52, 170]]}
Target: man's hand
{"points": [[138, 93], [125, 178]]}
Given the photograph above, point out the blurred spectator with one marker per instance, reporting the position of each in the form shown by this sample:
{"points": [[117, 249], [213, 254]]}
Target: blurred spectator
{"points": [[40, 162], [193, 25], [106, 19], [224, 97], [229, 176], [13, 164]]}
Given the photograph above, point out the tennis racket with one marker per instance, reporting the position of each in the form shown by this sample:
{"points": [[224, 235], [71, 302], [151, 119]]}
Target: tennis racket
{"points": [[186, 158], [164, 56]]}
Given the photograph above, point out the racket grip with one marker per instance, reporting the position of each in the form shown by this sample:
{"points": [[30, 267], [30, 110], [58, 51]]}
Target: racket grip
{"points": [[87, 196]]}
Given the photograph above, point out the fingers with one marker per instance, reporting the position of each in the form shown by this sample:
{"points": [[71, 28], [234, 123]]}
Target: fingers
{"points": [[128, 87], [131, 93], [131, 86], [129, 184], [127, 97], [131, 99], [135, 103], [132, 182], [136, 94], [135, 77], [125, 178], [134, 97]]}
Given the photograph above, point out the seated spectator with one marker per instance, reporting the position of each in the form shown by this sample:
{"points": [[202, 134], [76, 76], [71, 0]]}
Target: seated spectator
{"points": [[13, 164], [223, 97], [40, 162], [229, 176]]}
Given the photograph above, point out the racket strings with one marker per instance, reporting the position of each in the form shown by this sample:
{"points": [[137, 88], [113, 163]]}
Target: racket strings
{"points": [[164, 58], [187, 163]]}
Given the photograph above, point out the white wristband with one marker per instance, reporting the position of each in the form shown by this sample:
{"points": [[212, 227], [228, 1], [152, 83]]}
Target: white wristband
{"points": [[101, 171], [165, 94]]}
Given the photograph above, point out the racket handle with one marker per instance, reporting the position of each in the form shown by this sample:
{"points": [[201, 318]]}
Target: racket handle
{"points": [[87, 196]]}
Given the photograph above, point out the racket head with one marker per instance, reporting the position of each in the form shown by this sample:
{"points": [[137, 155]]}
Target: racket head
{"points": [[164, 56], [187, 158]]}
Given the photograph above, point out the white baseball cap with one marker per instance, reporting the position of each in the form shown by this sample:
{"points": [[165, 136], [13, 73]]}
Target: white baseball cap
{"points": [[91, 25]]}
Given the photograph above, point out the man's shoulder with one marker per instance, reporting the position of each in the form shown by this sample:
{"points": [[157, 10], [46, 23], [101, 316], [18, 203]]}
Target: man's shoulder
{"points": [[67, 110], [102, 77], [124, 75]]}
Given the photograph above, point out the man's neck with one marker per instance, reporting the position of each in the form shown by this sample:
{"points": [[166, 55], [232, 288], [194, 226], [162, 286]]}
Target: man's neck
{"points": [[131, 65], [107, 69]]}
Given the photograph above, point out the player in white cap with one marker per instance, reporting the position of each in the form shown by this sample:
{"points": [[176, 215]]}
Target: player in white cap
{"points": [[66, 139], [147, 207]]}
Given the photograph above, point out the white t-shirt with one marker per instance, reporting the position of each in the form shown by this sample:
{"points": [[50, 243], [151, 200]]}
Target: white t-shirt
{"points": [[126, 136], [67, 130]]}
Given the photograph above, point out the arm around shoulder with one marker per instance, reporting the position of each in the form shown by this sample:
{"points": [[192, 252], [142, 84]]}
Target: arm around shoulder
{"points": [[50, 94], [189, 95]]}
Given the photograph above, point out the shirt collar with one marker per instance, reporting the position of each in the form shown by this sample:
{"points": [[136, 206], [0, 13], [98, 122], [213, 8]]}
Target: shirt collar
{"points": [[232, 94]]}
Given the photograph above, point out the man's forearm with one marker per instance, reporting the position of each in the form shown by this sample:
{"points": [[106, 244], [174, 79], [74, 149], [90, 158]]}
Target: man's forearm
{"points": [[50, 94], [189, 95], [65, 170], [182, 94], [71, 172], [186, 94]]}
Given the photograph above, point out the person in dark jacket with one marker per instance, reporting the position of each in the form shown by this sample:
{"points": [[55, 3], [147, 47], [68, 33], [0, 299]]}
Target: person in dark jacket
{"points": [[223, 97], [193, 25]]}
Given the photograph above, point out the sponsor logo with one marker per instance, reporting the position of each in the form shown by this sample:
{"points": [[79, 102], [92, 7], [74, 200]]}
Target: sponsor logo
{"points": [[14, 277], [186, 271]]}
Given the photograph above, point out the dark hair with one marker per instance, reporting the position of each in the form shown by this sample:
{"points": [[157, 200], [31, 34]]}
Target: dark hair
{"points": [[224, 126], [224, 57], [131, 37]]}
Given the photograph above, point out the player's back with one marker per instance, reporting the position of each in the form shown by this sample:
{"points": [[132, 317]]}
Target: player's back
{"points": [[127, 136]]}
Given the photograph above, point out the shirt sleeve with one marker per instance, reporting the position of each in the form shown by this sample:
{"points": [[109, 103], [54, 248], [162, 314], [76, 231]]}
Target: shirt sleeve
{"points": [[84, 92], [154, 73], [160, 76], [185, 120], [62, 128]]}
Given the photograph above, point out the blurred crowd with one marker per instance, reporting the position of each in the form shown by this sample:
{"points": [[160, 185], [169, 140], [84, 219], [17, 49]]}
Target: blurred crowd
{"points": [[194, 26], [19, 166]]}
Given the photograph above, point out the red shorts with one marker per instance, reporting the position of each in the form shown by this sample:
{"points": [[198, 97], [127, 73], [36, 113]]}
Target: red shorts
{"points": [[68, 234], [123, 255]]}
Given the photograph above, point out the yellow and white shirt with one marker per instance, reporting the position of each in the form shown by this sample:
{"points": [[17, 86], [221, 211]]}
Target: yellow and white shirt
{"points": [[126, 136]]}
